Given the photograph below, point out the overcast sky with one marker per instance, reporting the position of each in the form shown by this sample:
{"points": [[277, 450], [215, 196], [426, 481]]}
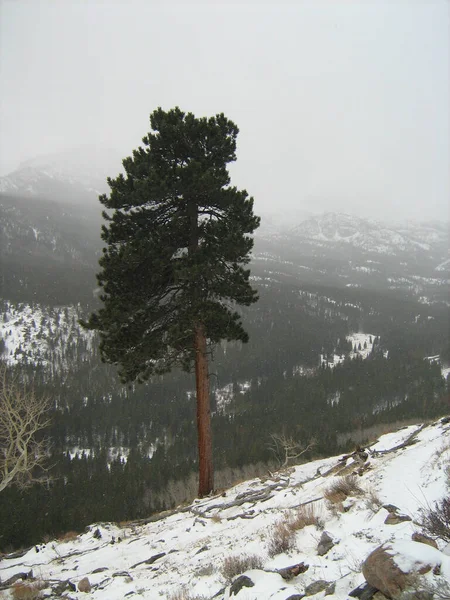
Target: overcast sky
{"points": [[341, 105]]}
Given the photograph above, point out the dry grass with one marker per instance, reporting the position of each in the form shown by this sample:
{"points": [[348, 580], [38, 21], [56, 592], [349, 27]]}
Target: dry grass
{"points": [[447, 475], [373, 501], [216, 519], [436, 520], [235, 565], [281, 537], [27, 591], [183, 594], [69, 536], [304, 516], [342, 488]]}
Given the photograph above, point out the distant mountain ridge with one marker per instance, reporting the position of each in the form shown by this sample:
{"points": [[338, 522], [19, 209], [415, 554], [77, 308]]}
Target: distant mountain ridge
{"points": [[370, 235], [43, 229], [76, 176]]}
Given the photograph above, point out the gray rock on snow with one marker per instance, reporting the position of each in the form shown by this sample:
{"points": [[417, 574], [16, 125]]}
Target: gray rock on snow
{"points": [[239, 583], [325, 543], [316, 587]]}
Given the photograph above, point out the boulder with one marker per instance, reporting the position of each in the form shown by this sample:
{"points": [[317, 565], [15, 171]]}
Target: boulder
{"points": [[63, 586], [325, 543], [423, 539], [330, 590], [316, 587], [396, 518], [84, 585], [363, 592], [239, 583], [288, 573], [391, 567]]}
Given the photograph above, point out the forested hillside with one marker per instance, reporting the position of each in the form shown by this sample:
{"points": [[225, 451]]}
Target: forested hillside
{"points": [[328, 357]]}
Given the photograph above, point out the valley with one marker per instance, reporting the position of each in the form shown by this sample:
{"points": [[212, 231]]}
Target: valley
{"points": [[349, 310]]}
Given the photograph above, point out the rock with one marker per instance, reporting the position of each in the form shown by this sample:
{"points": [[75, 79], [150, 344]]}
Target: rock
{"points": [[239, 583], [365, 591], [97, 534], [423, 539], [63, 586], [381, 569], [330, 589], [391, 508], [396, 518], [84, 585], [325, 543], [99, 570], [289, 573], [296, 597], [445, 420], [316, 586], [122, 574], [150, 560]]}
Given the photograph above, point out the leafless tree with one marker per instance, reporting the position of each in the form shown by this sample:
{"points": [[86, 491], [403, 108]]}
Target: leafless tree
{"points": [[287, 450], [23, 415]]}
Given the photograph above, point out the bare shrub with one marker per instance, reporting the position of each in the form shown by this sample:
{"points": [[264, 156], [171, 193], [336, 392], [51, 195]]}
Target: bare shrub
{"points": [[336, 508], [373, 501], [183, 594], [447, 475], [235, 565], [23, 415], [302, 517], [436, 521], [342, 488], [281, 538], [287, 450], [437, 589]]}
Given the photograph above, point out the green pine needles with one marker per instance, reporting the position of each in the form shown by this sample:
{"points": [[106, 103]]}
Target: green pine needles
{"points": [[176, 246]]}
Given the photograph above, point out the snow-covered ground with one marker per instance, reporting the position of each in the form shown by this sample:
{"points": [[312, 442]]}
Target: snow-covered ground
{"points": [[362, 344], [43, 335], [182, 554]]}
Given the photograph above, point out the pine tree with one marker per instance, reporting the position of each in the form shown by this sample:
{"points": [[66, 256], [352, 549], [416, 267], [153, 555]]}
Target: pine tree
{"points": [[173, 266]]}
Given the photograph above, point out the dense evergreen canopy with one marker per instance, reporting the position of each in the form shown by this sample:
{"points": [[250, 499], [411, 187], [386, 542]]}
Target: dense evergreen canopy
{"points": [[176, 245]]}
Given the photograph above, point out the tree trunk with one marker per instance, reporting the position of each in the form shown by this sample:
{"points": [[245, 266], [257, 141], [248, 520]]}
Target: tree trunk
{"points": [[206, 476]]}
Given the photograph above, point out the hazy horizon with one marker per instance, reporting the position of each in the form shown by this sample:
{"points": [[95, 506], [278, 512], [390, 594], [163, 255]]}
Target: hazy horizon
{"points": [[341, 106]]}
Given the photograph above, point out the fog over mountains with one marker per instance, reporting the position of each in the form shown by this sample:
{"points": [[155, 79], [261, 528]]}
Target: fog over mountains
{"points": [[74, 176], [42, 225]]}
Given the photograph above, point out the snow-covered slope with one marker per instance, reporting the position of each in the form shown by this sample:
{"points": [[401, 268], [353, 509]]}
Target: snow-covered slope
{"points": [[194, 552], [369, 235], [71, 176], [350, 251]]}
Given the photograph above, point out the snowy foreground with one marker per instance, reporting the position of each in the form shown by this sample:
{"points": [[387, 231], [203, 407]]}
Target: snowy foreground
{"points": [[183, 554]]}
